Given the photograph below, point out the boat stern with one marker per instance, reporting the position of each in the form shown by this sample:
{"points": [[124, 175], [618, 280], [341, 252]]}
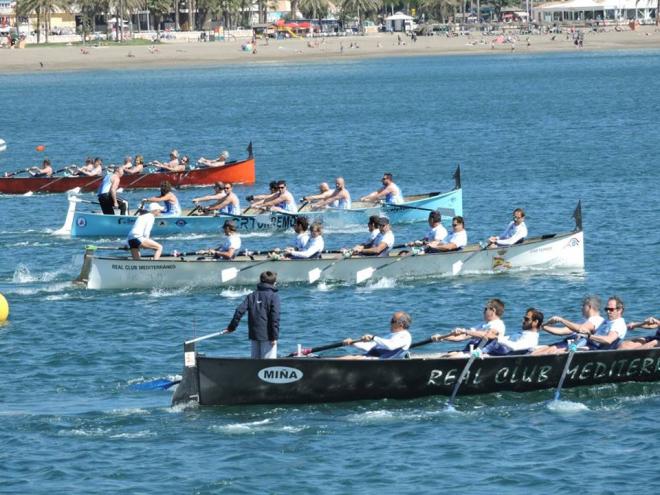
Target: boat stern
{"points": [[188, 389]]}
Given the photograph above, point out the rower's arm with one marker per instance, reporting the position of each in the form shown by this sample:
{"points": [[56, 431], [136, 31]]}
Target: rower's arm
{"points": [[586, 327], [557, 330], [238, 314], [605, 339], [221, 203], [375, 249]]}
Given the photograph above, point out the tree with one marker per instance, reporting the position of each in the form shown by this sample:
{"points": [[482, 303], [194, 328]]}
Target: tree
{"points": [[360, 7], [440, 9], [89, 9], [158, 9], [314, 9], [41, 7]]}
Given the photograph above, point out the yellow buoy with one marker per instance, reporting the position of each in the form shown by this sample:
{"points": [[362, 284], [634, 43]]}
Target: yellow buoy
{"points": [[4, 308]]}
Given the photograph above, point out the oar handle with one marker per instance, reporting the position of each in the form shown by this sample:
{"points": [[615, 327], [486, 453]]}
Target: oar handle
{"points": [[430, 340]]}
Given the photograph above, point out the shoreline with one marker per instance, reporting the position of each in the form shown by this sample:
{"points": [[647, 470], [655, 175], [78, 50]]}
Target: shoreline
{"points": [[203, 55]]}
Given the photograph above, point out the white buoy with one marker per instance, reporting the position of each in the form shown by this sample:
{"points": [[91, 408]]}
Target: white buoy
{"points": [[3, 145]]}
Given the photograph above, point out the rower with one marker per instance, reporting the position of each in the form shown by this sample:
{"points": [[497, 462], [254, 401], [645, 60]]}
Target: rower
{"points": [[172, 165], [256, 200], [229, 204], [263, 309], [107, 193], [300, 227], [314, 246], [137, 168], [172, 206], [492, 328], [609, 335], [215, 162], [394, 346], [230, 246], [648, 342], [436, 233], [390, 192], [521, 342], [372, 225], [92, 168], [139, 238], [46, 169], [218, 195], [573, 331], [324, 193], [383, 242], [283, 200], [339, 198], [514, 233], [454, 241]]}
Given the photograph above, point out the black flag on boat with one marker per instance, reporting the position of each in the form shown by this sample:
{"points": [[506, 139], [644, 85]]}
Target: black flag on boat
{"points": [[249, 150], [577, 215], [457, 177]]}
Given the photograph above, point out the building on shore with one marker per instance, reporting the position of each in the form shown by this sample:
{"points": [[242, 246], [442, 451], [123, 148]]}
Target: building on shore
{"points": [[604, 11]]}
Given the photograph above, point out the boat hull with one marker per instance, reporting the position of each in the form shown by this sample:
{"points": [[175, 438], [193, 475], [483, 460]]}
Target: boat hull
{"points": [[231, 381], [240, 172], [556, 251]]}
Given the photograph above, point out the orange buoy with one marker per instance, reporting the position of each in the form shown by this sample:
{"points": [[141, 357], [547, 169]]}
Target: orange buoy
{"points": [[40, 147]]}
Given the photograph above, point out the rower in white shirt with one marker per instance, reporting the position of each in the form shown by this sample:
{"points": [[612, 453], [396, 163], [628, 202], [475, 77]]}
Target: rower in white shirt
{"points": [[230, 245], [454, 241], [394, 346], [314, 246], [383, 242], [521, 342], [300, 227], [372, 225], [514, 233], [609, 335], [436, 232], [491, 329]]}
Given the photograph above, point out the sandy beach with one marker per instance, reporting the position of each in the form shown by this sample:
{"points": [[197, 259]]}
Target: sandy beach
{"points": [[190, 54]]}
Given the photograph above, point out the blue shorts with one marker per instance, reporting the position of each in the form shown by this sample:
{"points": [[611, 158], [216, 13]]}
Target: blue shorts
{"points": [[134, 243]]}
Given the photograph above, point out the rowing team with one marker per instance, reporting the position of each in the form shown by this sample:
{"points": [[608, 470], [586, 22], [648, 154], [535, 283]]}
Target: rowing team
{"points": [[94, 167]]}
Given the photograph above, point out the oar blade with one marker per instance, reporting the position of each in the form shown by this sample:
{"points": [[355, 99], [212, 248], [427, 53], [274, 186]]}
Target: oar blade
{"points": [[228, 274], [456, 267], [364, 274], [159, 384], [29, 193], [314, 275]]}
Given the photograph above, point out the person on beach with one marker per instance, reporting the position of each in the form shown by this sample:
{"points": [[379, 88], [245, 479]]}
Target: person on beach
{"points": [[521, 342], [394, 346], [339, 198], [263, 309], [454, 241], [137, 168], [313, 247], [283, 200], [514, 233], [139, 236], [107, 193], [46, 169], [173, 165], [390, 192], [383, 242], [229, 204], [172, 206], [573, 331], [215, 162], [647, 342], [230, 245], [436, 233], [490, 330]]}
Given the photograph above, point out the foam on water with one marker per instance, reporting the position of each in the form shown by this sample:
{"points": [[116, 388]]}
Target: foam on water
{"points": [[29, 291], [381, 283], [235, 293], [160, 293], [254, 427], [128, 436], [23, 275], [566, 407], [131, 411]]}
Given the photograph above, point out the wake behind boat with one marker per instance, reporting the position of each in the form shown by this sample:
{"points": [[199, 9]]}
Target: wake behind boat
{"points": [[564, 251], [229, 381], [236, 172], [414, 209]]}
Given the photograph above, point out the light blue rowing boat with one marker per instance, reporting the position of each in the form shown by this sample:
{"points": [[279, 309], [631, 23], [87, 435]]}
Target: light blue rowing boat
{"points": [[414, 209]]}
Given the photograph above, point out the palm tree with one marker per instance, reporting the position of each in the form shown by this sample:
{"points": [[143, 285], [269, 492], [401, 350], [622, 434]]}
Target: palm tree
{"points": [[439, 9], [360, 7], [158, 9], [41, 7], [313, 9]]}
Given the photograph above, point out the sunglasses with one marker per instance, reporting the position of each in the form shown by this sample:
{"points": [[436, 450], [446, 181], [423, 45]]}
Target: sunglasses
{"points": [[527, 319], [281, 188], [612, 309], [487, 308], [455, 224], [227, 188]]}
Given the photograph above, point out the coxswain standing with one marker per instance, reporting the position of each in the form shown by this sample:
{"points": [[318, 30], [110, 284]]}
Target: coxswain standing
{"points": [[172, 206], [394, 346], [390, 192], [107, 193], [139, 236]]}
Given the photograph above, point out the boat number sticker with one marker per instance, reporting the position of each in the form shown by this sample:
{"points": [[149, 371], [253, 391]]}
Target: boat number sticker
{"points": [[189, 359], [81, 222], [280, 374]]}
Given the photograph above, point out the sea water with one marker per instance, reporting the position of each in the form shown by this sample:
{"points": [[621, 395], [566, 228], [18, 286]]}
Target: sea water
{"points": [[539, 132]]}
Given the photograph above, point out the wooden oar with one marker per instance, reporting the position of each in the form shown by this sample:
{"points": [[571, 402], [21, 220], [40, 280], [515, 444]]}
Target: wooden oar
{"points": [[465, 371], [571, 352], [327, 347]]}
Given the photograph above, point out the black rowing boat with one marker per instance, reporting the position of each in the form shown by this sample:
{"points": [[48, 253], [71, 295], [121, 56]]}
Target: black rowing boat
{"points": [[227, 381]]}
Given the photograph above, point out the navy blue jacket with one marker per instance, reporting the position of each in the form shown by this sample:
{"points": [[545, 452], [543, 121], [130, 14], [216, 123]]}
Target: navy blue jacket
{"points": [[263, 309]]}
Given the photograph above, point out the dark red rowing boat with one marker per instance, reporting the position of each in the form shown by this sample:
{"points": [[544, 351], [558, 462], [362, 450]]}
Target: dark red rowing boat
{"points": [[236, 172]]}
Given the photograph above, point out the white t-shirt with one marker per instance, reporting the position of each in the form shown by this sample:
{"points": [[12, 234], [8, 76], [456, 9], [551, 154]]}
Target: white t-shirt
{"points": [[458, 238], [387, 238], [372, 236], [618, 326], [142, 227], [231, 242], [314, 245], [395, 340], [512, 234], [301, 241], [525, 340], [497, 325], [437, 233]]}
